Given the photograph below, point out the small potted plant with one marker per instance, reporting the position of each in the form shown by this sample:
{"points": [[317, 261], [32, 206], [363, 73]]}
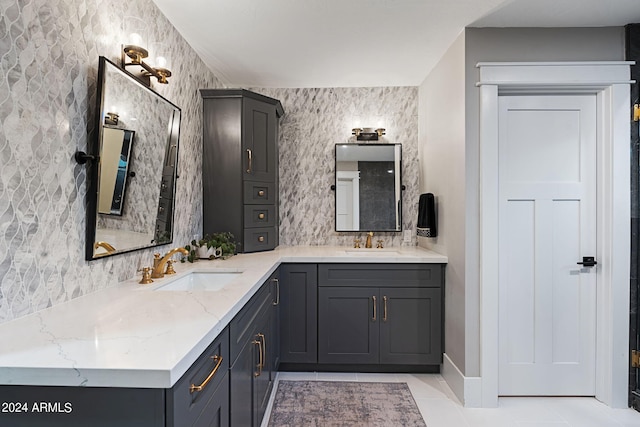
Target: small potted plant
{"points": [[200, 249], [223, 241], [211, 246]]}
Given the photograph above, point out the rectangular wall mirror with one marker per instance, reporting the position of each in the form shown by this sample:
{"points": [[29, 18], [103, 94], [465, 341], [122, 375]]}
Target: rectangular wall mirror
{"points": [[131, 193], [368, 187]]}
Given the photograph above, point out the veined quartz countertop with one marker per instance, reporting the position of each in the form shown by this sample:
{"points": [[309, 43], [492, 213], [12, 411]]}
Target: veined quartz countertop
{"points": [[130, 335]]}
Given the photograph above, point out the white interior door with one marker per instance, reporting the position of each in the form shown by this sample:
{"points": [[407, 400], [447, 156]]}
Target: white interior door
{"points": [[547, 223]]}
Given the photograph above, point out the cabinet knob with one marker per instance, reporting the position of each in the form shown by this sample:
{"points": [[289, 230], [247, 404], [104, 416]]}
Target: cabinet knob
{"points": [[261, 216], [261, 193], [261, 239]]}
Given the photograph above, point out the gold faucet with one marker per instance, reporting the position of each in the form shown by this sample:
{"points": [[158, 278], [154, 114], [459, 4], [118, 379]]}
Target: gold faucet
{"points": [[369, 236], [159, 263], [108, 247]]}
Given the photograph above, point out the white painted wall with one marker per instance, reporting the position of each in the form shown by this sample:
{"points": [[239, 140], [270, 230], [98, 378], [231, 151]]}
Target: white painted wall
{"points": [[441, 144], [449, 113], [512, 44]]}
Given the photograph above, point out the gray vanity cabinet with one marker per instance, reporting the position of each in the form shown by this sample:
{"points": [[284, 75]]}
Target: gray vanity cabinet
{"points": [[388, 314], [188, 407], [299, 313], [348, 325], [240, 166], [254, 355], [178, 406]]}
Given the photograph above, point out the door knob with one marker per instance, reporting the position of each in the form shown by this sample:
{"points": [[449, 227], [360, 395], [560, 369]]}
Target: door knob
{"points": [[588, 261]]}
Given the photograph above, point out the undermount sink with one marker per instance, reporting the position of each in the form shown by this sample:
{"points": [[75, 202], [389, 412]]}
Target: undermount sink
{"points": [[371, 252], [200, 281]]}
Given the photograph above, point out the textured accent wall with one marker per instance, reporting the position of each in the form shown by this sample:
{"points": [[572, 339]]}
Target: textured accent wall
{"points": [[48, 69], [315, 120]]}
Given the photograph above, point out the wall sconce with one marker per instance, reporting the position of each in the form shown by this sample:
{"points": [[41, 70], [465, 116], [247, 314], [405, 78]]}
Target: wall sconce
{"points": [[136, 54], [367, 134], [111, 119]]}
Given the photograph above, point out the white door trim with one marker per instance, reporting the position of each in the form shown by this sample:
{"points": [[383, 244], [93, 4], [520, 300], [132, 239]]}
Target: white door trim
{"points": [[610, 81]]}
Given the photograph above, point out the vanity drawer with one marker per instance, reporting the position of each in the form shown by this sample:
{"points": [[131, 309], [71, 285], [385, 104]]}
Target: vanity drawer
{"points": [[387, 275], [241, 328], [260, 239], [183, 406], [259, 193], [259, 216]]}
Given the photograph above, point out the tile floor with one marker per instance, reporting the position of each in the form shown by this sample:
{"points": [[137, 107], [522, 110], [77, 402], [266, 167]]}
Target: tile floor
{"points": [[440, 408]]}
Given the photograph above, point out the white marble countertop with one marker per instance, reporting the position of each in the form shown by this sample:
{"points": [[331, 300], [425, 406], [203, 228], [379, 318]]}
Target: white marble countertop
{"points": [[132, 335]]}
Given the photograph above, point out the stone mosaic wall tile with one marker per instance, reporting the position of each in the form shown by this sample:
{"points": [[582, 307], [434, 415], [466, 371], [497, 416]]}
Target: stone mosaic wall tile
{"points": [[317, 119], [48, 70]]}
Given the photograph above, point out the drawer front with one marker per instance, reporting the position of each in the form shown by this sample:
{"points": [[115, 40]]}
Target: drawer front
{"points": [[260, 239], [259, 216], [241, 327], [259, 193], [388, 275], [184, 406]]}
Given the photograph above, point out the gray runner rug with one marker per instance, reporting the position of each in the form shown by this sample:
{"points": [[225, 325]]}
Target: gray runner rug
{"points": [[341, 403]]}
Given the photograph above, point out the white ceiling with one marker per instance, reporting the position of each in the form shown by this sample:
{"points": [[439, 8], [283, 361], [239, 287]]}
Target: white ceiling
{"points": [[347, 43]]}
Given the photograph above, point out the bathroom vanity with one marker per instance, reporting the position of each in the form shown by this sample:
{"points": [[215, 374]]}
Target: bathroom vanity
{"points": [[147, 355]]}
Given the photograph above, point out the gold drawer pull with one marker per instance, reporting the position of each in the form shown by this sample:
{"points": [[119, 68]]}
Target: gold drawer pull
{"points": [[261, 239], [249, 161], [261, 216], [277, 282], [264, 351], [374, 308], [384, 311], [258, 342], [194, 388], [261, 193]]}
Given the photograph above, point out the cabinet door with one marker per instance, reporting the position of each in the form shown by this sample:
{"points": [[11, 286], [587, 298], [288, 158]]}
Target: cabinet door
{"points": [[241, 384], [348, 325], [216, 414], [259, 145], [262, 382], [274, 346], [410, 326], [299, 313]]}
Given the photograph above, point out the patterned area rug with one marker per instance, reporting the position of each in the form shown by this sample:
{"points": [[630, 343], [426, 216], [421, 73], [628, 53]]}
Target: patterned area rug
{"points": [[338, 403]]}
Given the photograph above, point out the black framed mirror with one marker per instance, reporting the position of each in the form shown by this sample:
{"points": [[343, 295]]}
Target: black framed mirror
{"points": [[132, 180], [368, 187]]}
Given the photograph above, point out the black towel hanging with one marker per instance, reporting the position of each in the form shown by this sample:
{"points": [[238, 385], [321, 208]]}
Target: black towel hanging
{"points": [[427, 216]]}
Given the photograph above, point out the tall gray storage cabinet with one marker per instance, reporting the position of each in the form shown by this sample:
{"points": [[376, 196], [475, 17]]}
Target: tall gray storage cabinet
{"points": [[240, 167]]}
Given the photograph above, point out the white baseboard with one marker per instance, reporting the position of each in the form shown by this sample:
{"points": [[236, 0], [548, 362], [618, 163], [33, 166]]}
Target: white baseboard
{"points": [[468, 390]]}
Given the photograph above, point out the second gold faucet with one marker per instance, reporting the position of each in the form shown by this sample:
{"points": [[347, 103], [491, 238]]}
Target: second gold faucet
{"points": [[368, 243], [159, 263]]}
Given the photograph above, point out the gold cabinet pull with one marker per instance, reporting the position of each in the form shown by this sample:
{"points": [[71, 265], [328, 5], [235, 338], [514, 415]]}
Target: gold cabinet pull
{"points": [[261, 216], [259, 366], [194, 388], [374, 308], [261, 193], [384, 308], [261, 239], [277, 282], [264, 351], [249, 160]]}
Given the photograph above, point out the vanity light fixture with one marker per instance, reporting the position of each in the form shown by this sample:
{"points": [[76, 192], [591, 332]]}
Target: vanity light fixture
{"points": [[136, 55], [367, 134], [111, 119]]}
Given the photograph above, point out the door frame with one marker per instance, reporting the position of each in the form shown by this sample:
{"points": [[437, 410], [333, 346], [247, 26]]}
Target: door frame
{"points": [[609, 81]]}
